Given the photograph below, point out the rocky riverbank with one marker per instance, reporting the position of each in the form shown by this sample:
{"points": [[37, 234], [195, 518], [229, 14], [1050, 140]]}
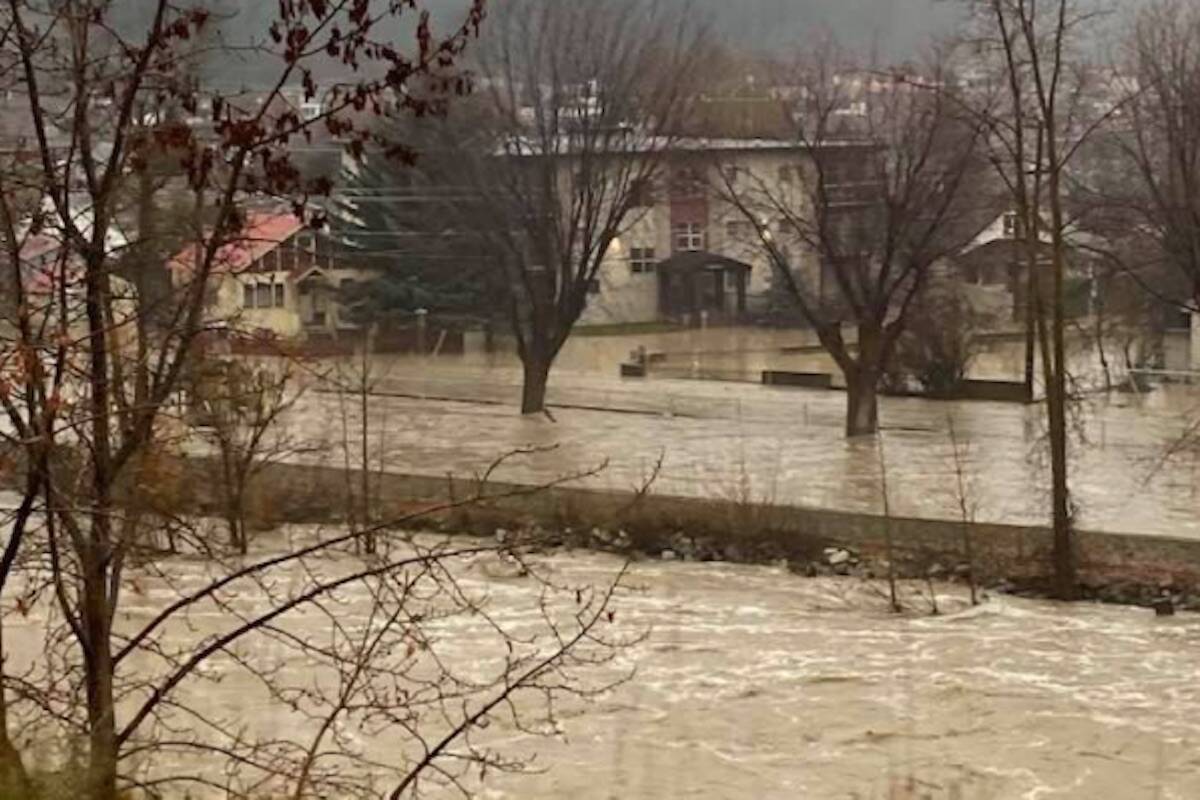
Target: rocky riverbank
{"points": [[830, 560]]}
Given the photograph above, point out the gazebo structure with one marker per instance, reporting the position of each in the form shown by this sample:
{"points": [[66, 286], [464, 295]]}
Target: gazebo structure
{"points": [[690, 282]]}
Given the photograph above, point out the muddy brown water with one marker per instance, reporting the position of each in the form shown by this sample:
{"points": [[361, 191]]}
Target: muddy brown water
{"points": [[754, 683], [1133, 469]]}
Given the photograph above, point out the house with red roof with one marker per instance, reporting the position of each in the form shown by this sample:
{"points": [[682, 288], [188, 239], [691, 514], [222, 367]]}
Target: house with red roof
{"points": [[278, 278]]}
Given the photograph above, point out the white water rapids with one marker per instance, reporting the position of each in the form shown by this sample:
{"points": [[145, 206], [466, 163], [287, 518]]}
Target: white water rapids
{"points": [[755, 683]]}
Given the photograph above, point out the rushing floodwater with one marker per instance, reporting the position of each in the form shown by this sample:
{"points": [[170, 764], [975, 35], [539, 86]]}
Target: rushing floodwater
{"points": [[755, 683]]}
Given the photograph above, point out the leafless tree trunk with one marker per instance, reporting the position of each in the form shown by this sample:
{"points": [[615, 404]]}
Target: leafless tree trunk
{"points": [[888, 539], [880, 198], [965, 511], [246, 405], [85, 378], [580, 103], [1042, 97]]}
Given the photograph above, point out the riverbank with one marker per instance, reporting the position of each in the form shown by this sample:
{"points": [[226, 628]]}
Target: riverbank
{"points": [[1113, 567]]}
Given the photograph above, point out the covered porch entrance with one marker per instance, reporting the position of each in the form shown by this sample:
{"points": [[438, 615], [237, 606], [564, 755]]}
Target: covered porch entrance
{"points": [[697, 281]]}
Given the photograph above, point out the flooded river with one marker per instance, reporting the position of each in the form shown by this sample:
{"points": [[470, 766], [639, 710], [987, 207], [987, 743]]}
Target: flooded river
{"points": [[754, 683], [758, 684]]}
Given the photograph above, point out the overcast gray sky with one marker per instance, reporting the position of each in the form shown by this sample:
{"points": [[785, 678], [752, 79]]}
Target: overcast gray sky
{"points": [[898, 26]]}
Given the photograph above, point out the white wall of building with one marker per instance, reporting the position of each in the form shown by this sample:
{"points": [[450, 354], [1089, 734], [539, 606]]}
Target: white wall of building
{"points": [[626, 296]]}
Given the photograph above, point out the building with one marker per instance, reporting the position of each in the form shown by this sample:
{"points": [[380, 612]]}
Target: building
{"points": [[280, 278], [690, 252]]}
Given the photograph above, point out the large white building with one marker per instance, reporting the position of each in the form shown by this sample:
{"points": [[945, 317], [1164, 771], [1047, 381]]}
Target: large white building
{"points": [[689, 250]]}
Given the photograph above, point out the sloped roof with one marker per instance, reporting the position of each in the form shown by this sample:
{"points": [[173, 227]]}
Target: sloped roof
{"points": [[696, 260], [263, 233]]}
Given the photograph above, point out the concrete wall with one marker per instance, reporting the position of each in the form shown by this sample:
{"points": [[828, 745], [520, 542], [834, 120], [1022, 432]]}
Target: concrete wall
{"points": [[742, 531]]}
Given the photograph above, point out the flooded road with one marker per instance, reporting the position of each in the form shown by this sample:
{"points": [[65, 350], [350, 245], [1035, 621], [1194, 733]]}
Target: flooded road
{"points": [[1132, 471], [754, 683], [742, 353]]}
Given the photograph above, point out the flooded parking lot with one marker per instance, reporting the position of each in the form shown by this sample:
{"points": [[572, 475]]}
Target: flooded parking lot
{"points": [[1134, 470]]}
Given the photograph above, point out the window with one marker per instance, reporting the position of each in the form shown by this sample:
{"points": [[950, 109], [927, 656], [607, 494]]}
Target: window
{"points": [[1012, 226], [687, 182], [310, 110], [593, 286], [785, 174], [263, 295], [641, 259], [642, 193], [731, 174], [689, 236], [787, 228], [739, 231]]}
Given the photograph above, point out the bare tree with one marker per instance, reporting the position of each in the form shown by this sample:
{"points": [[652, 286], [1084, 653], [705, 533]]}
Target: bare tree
{"points": [[966, 509], [83, 387], [578, 104], [1145, 200], [1037, 129], [883, 195], [241, 409]]}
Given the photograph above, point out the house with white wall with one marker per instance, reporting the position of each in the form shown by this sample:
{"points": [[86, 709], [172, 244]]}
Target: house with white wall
{"points": [[688, 250], [278, 278]]}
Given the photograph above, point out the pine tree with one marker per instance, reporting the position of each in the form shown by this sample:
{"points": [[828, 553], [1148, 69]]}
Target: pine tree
{"points": [[388, 217]]}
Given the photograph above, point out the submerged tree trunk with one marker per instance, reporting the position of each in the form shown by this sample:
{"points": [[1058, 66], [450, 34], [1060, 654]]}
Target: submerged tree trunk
{"points": [[862, 402], [1064, 554], [533, 391], [14, 780], [862, 383], [1030, 333], [102, 733]]}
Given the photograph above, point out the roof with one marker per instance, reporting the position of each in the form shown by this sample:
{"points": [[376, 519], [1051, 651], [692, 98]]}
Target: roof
{"points": [[523, 147], [262, 233], [697, 260], [46, 257]]}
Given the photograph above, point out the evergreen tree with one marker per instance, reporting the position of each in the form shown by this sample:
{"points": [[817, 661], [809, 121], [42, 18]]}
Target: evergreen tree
{"points": [[388, 216]]}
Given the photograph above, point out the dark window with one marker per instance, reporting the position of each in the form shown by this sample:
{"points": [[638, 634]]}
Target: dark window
{"points": [[593, 286], [688, 236], [262, 297], [687, 182], [248, 296], [641, 259], [642, 193], [739, 231], [1012, 226], [279, 295]]}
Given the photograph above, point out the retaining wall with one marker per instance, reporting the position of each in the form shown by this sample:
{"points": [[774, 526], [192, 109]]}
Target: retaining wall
{"points": [[721, 528]]}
